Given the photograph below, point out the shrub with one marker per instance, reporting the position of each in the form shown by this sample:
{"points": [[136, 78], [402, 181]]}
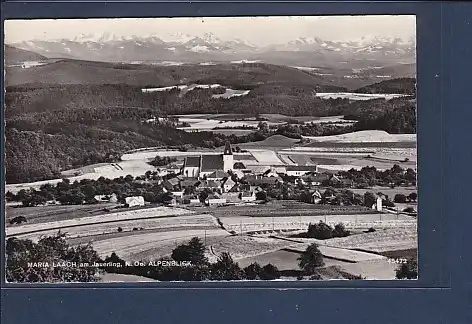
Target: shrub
{"points": [[413, 196], [311, 259], [120, 229], [320, 231], [269, 272], [409, 210], [388, 203], [400, 198], [408, 270], [253, 271], [370, 230], [340, 231], [18, 220], [226, 269], [194, 251]]}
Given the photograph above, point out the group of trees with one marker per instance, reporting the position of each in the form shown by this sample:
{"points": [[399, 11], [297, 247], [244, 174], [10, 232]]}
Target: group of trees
{"points": [[47, 260], [370, 176], [161, 161], [84, 191], [323, 231]]}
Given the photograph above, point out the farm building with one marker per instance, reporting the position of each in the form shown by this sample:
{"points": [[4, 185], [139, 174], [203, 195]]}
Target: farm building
{"points": [[316, 197], [248, 196], [217, 175], [313, 179], [228, 183], [259, 180], [300, 170], [134, 201], [205, 165], [106, 198], [214, 200]]}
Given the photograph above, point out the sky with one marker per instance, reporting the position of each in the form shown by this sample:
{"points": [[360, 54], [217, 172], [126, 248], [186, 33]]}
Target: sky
{"points": [[257, 30]]}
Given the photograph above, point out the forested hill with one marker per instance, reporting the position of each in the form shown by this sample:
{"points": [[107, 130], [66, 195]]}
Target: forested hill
{"points": [[400, 85], [15, 55], [232, 75]]}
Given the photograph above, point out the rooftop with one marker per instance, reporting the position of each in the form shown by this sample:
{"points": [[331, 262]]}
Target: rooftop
{"points": [[212, 163]]}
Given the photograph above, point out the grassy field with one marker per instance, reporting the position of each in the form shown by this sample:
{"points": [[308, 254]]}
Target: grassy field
{"points": [[126, 215], [369, 136], [391, 239], [151, 246], [242, 246], [285, 208], [42, 214]]}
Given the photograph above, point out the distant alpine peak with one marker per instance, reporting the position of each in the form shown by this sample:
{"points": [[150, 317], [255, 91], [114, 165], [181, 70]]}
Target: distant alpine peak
{"points": [[211, 38], [309, 40], [374, 39]]}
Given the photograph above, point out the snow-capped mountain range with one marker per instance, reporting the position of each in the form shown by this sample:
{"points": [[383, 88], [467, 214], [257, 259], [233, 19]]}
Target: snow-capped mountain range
{"points": [[208, 47]]}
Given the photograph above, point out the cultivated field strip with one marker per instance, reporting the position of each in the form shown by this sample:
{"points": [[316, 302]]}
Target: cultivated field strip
{"points": [[379, 241], [171, 223], [131, 246], [252, 224], [246, 246], [266, 157], [91, 220], [339, 253]]}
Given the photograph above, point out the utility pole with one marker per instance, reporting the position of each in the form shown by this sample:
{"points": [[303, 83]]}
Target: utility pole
{"points": [[205, 237], [241, 227]]}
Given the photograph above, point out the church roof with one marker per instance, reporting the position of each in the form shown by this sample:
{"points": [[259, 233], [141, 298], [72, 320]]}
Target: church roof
{"points": [[192, 161], [212, 163]]}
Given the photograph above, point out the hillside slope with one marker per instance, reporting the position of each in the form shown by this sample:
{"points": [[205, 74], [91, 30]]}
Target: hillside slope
{"points": [[402, 85], [88, 72], [15, 55]]}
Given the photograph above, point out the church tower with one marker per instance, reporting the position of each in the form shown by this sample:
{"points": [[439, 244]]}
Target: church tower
{"points": [[228, 161]]}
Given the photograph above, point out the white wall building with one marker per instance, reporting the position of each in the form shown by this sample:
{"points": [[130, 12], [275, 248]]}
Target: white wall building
{"points": [[134, 201]]}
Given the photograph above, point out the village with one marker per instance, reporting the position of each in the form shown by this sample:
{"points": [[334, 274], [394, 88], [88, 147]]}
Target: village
{"points": [[220, 180]]}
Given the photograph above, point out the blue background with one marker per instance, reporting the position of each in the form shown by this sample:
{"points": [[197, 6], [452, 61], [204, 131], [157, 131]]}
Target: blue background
{"points": [[443, 292]]}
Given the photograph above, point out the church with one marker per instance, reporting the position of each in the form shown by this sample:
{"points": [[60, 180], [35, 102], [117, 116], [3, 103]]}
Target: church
{"points": [[204, 165]]}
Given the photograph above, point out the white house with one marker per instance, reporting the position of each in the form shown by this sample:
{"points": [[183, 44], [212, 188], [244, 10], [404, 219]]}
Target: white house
{"points": [[215, 200], [194, 201], [378, 204], [134, 201], [179, 194]]}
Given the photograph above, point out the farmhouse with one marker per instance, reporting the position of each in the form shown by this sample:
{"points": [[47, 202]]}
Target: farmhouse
{"points": [[205, 165], [134, 201], [106, 198]]}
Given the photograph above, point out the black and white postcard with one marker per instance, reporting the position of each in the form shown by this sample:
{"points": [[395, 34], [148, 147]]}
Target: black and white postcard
{"points": [[211, 149]]}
